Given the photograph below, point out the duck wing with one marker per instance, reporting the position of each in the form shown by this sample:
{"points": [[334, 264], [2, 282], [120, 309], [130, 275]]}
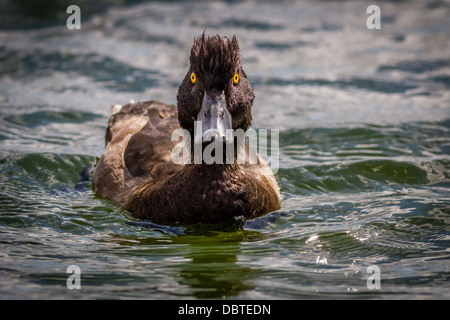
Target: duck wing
{"points": [[146, 125]]}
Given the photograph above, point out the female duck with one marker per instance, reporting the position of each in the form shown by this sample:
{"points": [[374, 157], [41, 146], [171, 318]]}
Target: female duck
{"points": [[137, 170]]}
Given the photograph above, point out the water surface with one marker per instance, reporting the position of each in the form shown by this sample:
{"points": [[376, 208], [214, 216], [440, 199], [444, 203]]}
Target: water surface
{"points": [[364, 126]]}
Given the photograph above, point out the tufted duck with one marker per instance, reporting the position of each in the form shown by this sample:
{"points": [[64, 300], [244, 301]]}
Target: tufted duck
{"points": [[137, 171]]}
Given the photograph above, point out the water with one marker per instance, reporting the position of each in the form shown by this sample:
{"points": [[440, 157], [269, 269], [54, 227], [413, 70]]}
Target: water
{"points": [[364, 126]]}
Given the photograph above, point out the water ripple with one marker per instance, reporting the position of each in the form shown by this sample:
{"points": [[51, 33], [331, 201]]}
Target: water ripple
{"points": [[364, 160]]}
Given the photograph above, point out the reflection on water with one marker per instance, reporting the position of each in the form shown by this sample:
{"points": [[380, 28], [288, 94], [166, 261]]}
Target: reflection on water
{"points": [[214, 271], [364, 161]]}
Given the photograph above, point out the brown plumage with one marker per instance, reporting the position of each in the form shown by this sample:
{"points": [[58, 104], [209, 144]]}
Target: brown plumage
{"points": [[136, 170]]}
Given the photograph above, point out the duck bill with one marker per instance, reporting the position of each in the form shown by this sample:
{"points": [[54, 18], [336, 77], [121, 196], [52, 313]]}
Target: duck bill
{"points": [[214, 120]]}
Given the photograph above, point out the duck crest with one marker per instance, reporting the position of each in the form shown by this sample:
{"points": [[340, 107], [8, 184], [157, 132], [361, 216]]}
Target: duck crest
{"points": [[215, 58]]}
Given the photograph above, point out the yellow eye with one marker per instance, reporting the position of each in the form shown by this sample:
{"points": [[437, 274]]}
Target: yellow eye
{"points": [[193, 77], [236, 78]]}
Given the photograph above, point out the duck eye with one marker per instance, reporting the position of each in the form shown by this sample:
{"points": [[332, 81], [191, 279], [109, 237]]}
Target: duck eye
{"points": [[193, 77], [236, 78]]}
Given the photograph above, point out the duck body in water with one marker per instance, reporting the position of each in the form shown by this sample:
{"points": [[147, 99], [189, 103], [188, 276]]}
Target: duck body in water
{"points": [[137, 170]]}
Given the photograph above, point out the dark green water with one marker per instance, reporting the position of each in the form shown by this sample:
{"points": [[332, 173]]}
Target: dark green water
{"points": [[364, 120]]}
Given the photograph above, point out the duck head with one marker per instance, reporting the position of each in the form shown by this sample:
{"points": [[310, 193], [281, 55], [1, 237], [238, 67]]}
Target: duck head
{"points": [[215, 91]]}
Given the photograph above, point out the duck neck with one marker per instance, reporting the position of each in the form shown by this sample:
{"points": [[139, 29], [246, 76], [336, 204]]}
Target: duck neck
{"points": [[214, 163], [222, 156]]}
